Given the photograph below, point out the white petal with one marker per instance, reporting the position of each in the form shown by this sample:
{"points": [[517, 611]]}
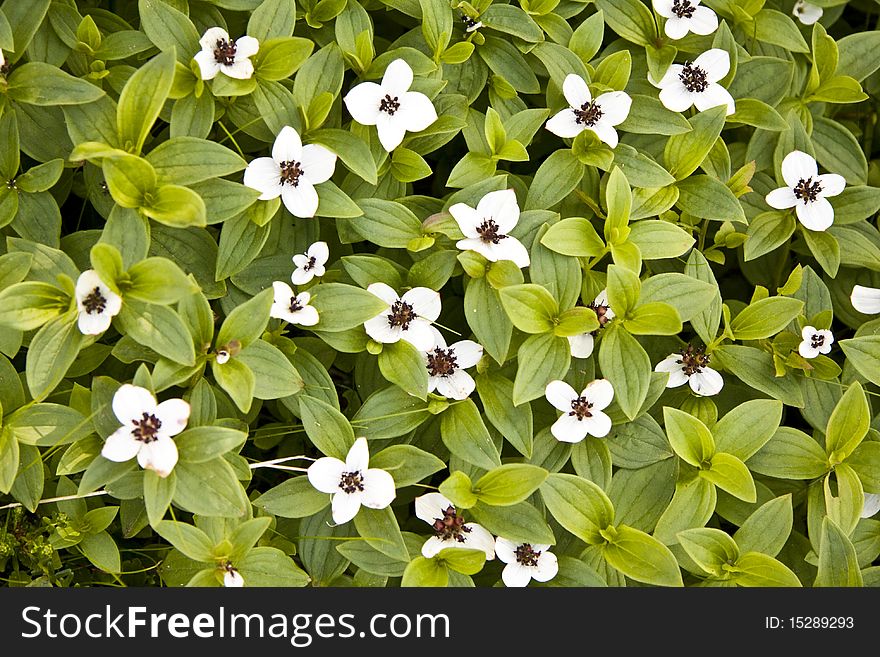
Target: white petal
{"points": [[232, 579], [703, 21], [815, 215], [416, 111], [663, 7], [615, 107], [781, 198], [807, 350], [713, 96], [676, 98], [509, 248], [439, 341], [173, 414], [598, 424], [433, 545], [325, 474], [120, 446], [384, 292], [301, 276], [865, 299], [808, 332], [282, 294], [319, 250], [672, 77], [706, 383], [676, 28], [599, 393], [797, 166], [264, 175], [345, 507], [458, 385], [430, 507], [391, 131], [807, 13], [424, 301], [301, 201], [378, 489], [606, 133], [305, 316], [560, 395], [363, 101], [398, 77], [673, 366], [380, 329], [515, 575], [500, 206], [240, 69], [479, 538], [87, 282], [94, 323], [832, 184], [358, 458], [131, 402], [246, 46], [829, 338], [505, 549], [211, 36], [871, 505], [576, 91], [602, 299], [565, 124], [419, 335], [288, 146], [467, 353], [547, 568], [568, 429], [318, 164], [208, 66], [467, 218], [160, 456], [716, 63], [581, 345]]}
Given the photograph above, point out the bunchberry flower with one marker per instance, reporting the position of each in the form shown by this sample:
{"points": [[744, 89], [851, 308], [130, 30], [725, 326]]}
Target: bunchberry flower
{"points": [[486, 228], [683, 16], [446, 366], [450, 529], [231, 577], [292, 307], [407, 318], [696, 83], [691, 366], [220, 53], [871, 505], [96, 303], [581, 413], [865, 299], [525, 562], [815, 342], [806, 12], [806, 190], [582, 345], [599, 115], [310, 264], [470, 24]]}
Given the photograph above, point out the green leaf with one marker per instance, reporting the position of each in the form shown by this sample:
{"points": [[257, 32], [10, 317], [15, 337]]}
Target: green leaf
{"points": [[711, 549], [457, 487], [158, 492], [466, 436], [100, 549], [531, 308], [653, 318], [573, 236], [268, 566], [192, 541], [540, 360], [52, 350], [521, 522], [425, 572], [130, 180], [513, 422], [756, 569], [177, 206], [790, 454], [579, 505], [188, 160], [708, 198], [274, 376], [141, 100], [838, 564], [689, 437], [9, 459], [327, 428], [509, 484], [863, 353], [626, 365], [294, 498], [237, 380], [463, 560], [630, 19], [210, 489], [765, 318], [768, 528], [38, 83], [379, 528], [848, 424], [731, 475], [342, 307], [201, 444], [693, 503], [271, 19], [642, 557], [159, 328], [555, 179], [29, 305], [387, 223], [486, 317], [403, 364], [748, 427], [407, 464], [247, 321], [169, 28], [755, 368], [685, 152]]}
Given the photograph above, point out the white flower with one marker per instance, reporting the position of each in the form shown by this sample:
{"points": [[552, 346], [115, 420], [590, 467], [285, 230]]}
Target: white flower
{"points": [[408, 317], [291, 173], [806, 191], [691, 366], [147, 429], [223, 356], [525, 562], [581, 413], [599, 115], [291, 307], [807, 13], [352, 483], [220, 53], [865, 299], [390, 106], [446, 366], [696, 83], [232, 578], [96, 303], [582, 345], [470, 24], [2, 59], [683, 16], [486, 228], [815, 342], [450, 529], [310, 264], [871, 505]]}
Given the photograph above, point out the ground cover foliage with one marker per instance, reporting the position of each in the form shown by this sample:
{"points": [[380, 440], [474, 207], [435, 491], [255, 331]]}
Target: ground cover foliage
{"points": [[432, 293]]}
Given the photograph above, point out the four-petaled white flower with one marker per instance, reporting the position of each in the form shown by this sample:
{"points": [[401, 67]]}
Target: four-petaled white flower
{"points": [[871, 505], [581, 413], [865, 299], [806, 190], [525, 562], [691, 366], [220, 53], [446, 366], [352, 483], [486, 228], [696, 83], [391, 106], [815, 341], [231, 577], [582, 345], [599, 115], [291, 173], [683, 16], [292, 307], [407, 318], [96, 303], [147, 429], [806, 12], [450, 529], [310, 264], [470, 24]]}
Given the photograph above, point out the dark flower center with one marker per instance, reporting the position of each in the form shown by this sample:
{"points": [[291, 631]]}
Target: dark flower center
{"points": [[228, 567], [389, 105], [4, 69], [526, 555], [401, 315], [351, 482], [693, 360], [442, 362], [94, 302], [807, 190], [488, 232], [146, 428], [295, 305], [580, 408], [601, 311], [683, 8], [817, 340], [693, 78], [451, 526], [291, 172], [588, 114], [469, 22], [311, 263], [224, 52]]}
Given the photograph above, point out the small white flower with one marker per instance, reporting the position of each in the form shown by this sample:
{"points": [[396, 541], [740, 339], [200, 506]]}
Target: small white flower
{"points": [[470, 24], [525, 562], [220, 53], [599, 115], [2, 59], [223, 356], [391, 106], [865, 299], [310, 264], [407, 318], [581, 413], [291, 307], [446, 366], [691, 366], [147, 429], [352, 483], [582, 345], [450, 529], [96, 303], [871, 505], [815, 342], [683, 16], [696, 83], [807, 13], [806, 190], [232, 578], [486, 228], [291, 173]]}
